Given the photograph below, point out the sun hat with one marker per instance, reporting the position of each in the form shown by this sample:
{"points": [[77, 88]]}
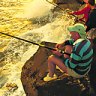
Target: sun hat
{"points": [[78, 28]]}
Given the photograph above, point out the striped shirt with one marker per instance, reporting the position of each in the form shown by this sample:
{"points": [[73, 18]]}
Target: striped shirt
{"points": [[81, 57]]}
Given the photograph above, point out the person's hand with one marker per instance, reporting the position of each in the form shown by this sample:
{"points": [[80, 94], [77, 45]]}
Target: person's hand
{"points": [[61, 45], [81, 19], [70, 13], [58, 46], [56, 52]]}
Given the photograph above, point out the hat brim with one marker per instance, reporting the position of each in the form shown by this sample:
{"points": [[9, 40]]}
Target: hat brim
{"points": [[71, 28]]}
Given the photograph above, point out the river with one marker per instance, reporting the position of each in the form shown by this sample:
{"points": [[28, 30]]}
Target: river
{"points": [[33, 20]]}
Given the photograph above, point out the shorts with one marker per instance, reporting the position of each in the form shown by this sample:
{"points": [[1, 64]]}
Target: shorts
{"points": [[70, 71]]}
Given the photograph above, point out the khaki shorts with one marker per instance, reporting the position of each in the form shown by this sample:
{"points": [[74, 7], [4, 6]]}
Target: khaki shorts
{"points": [[74, 74]]}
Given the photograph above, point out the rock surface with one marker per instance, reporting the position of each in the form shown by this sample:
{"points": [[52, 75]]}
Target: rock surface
{"points": [[71, 4], [34, 71]]}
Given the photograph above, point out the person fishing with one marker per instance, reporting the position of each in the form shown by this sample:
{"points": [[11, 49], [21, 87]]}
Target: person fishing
{"points": [[85, 11], [78, 64]]}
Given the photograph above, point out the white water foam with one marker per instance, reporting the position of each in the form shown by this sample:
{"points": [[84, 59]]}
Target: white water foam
{"points": [[36, 9], [18, 52], [51, 32]]}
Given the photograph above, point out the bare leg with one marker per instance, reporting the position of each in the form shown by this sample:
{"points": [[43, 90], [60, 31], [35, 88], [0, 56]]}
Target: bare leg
{"points": [[51, 66], [52, 62]]}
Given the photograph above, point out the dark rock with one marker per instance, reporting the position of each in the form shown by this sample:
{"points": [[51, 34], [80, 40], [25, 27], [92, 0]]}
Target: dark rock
{"points": [[71, 4], [2, 58], [67, 1], [3, 80], [34, 71], [2, 55]]}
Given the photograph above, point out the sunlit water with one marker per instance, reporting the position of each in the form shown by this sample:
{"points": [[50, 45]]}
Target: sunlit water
{"points": [[18, 52]]}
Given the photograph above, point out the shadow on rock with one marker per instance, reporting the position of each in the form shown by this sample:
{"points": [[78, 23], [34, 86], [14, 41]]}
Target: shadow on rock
{"points": [[34, 71]]}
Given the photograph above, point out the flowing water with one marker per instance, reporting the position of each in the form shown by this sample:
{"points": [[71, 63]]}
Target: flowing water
{"points": [[33, 20]]}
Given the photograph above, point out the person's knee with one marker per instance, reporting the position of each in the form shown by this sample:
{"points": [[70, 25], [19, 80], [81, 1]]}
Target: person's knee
{"points": [[50, 58]]}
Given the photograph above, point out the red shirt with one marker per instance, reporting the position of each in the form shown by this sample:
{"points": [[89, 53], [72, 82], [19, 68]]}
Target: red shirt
{"points": [[85, 11]]}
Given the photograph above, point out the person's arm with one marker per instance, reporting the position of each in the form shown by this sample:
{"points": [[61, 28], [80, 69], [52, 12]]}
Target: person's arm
{"points": [[67, 42], [82, 11], [73, 61], [78, 52], [61, 46]]}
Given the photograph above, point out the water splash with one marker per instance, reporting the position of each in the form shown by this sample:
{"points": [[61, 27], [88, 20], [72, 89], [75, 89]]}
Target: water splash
{"points": [[51, 32], [36, 9], [18, 52]]}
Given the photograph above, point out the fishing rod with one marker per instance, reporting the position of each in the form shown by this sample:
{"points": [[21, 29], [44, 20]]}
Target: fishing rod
{"points": [[64, 10], [55, 5], [40, 45], [59, 7]]}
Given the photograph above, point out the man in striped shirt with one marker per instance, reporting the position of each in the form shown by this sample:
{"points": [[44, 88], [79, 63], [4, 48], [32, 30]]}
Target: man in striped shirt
{"points": [[78, 64]]}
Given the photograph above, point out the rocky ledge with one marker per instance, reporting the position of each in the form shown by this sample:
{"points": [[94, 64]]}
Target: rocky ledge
{"points": [[71, 4], [34, 71]]}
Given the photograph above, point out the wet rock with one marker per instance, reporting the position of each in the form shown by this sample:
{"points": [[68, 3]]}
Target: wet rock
{"points": [[3, 80], [2, 56], [11, 86], [36, 68], [71, 4], [31, 68]]}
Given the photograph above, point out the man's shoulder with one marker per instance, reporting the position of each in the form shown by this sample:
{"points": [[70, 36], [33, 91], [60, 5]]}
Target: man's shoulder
{"points": [[78, 41], [86, 40], [82, 42]]}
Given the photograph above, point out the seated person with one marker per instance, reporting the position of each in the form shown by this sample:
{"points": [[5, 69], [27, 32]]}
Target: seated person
{"points": [[78, 64]]}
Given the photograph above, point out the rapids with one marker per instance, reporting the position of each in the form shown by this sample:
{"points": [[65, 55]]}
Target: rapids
{"points": [[48, 26]]}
